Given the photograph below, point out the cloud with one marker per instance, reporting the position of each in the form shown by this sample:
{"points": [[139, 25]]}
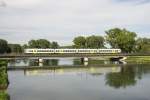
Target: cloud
{"points": [[133, 1], [64, 19]]}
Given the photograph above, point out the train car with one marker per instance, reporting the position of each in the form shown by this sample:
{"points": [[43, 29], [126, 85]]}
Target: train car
{"points": [[51, 51]]}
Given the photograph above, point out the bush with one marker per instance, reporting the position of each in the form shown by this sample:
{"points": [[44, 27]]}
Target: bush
{"points": [[3, 75]]}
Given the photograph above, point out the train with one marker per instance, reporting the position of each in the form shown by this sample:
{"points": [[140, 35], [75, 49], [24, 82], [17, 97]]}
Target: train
{"points": [[60, 51]]}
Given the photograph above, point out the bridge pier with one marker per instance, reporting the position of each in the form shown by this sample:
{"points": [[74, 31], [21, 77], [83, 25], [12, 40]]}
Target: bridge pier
{"points": [[85, 60], [40, 61]]}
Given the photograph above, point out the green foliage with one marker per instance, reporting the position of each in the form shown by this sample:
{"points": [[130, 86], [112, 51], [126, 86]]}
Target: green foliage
{"points": [[15, 48], [116, 38], [54, 45], [3, 75], [143, 45], [3, 46], [89, 42], [4, 95], [95, 42], [41, 43], [24, 46], [79, 42], [121, 38]]}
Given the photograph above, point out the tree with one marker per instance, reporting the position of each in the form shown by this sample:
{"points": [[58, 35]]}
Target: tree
{"points": [[95, 42], [15, 48], [24, 46], [79, 42], [32, 44], [121, 38], [40, 43], [143, 45], [54, 45], [3, 46], [43, 43]]}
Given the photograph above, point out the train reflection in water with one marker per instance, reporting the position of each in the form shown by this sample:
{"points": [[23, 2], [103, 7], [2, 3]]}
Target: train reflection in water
{"points": [[73, 71]]}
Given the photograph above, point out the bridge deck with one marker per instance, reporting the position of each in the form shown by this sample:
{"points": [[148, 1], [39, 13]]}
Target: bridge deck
{"points": [[66, 55]]}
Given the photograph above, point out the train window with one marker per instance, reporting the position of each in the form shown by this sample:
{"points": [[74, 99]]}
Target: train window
{"points": [[117, 51], [51, 50], [30, 50], [64, 50]]}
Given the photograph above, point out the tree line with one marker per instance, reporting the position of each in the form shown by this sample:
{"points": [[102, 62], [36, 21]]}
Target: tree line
{"points": [[124, 39], [5, 47]]}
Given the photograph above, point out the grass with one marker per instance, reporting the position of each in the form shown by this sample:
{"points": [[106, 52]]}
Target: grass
{"points": [[3, 75], [138, 59], [4, 95]]}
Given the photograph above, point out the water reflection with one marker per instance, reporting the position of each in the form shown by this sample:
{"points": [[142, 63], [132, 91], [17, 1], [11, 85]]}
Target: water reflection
{"points": [[128, 76], [124, 78], [58, 61], [72, 71], [116, 77], [121, 82]]}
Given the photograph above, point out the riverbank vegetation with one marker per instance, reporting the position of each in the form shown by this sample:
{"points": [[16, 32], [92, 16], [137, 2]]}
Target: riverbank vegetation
{"points": [[4, 95], [3, 75], [3, 80], [138, 59], [124, 39]]}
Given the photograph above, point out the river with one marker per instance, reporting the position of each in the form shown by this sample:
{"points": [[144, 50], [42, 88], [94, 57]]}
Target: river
{"points": [[70, 79]]}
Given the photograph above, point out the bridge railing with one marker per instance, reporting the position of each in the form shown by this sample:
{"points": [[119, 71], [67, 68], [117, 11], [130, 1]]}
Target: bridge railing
{"points": [[70, 55]]}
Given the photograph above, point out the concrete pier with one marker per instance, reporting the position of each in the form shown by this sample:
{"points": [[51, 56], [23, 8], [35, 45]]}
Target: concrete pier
{"points": [[40, 60], [84, 59]]}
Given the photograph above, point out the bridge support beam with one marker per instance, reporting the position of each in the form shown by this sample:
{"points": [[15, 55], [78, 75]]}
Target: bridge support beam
{"points": [[85, 60], [122, 58], [40, 61]]}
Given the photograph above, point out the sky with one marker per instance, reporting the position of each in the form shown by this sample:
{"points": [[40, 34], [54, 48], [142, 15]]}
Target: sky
{"points": [[62, 20]]}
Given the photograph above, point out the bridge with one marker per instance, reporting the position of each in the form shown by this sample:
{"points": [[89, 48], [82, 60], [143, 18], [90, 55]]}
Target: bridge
{"points": [[84, 56], [70, 55]]}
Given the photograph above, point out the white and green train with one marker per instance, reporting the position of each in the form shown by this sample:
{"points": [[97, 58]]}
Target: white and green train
{"points": [[58, 51]]}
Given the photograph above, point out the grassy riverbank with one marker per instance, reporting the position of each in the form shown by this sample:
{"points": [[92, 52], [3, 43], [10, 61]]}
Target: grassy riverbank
{"points": [[138, 59], [130, 59], [3, 75], [4, 95]]}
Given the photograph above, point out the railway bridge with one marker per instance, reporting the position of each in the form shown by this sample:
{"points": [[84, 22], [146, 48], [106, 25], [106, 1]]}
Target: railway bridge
{"points": [[82, 56]]}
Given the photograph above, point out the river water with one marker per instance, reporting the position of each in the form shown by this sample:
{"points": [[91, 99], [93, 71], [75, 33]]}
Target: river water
{"points": [[70, 79]]}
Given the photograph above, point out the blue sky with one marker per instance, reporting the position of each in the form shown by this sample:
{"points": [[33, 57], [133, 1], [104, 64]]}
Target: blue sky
{"points": [[62, 20]]}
